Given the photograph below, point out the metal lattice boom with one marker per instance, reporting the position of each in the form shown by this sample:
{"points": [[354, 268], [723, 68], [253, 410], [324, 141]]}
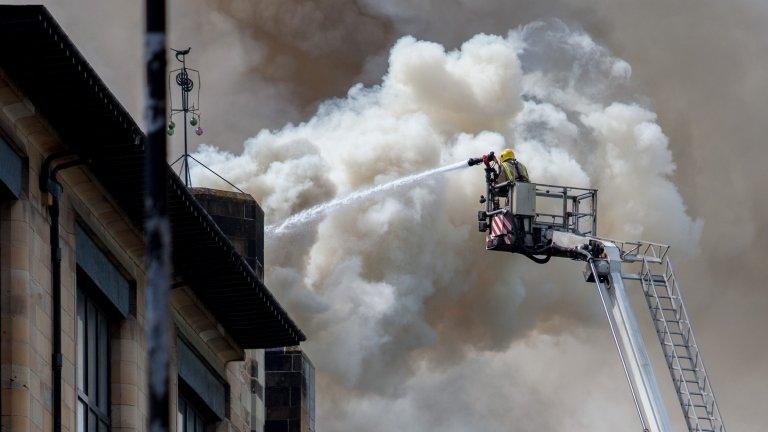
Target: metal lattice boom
{"points": [[675, 334], [694, 390]]}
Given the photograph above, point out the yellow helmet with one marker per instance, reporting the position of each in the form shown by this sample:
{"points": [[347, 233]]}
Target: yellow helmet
{"points": [[506, 154]]}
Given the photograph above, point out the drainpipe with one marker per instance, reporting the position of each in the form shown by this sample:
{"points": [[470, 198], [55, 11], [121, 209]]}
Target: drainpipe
{"points": [[48, 185]]}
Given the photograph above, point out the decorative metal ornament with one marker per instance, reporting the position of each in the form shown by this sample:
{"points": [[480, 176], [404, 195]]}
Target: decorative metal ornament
{"points": [[187, 86]]}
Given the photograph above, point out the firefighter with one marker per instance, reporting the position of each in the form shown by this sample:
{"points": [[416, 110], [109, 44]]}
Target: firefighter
{"points": [[510, 169]]}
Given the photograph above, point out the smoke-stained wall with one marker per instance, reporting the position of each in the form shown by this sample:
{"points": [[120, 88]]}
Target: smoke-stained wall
{"points": [[701, 66]]}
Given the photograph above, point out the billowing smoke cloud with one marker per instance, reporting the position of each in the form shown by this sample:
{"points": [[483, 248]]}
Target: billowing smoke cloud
{"points": [[394, 287], [703, 66]]}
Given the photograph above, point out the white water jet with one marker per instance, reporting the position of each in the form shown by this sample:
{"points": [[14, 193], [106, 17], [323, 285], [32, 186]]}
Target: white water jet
{"points": [[319, 210]]}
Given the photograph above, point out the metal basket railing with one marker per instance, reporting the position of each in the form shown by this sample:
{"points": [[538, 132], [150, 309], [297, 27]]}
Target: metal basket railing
{"points": [[566, 208]]}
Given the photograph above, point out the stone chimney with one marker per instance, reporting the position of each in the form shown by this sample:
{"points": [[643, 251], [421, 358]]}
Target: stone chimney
{"points": [[241, 218]]}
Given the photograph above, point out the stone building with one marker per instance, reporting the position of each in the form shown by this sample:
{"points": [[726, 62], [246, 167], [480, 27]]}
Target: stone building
{"points": [[72, 345], [290, 393]]}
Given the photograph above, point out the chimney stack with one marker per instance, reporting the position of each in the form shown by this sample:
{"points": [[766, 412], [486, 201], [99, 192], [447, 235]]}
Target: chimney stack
{"points": [[242, 220]]}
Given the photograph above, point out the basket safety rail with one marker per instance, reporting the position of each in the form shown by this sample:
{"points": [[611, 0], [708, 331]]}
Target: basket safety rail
{"points": [[635, 251], [566, 208]]}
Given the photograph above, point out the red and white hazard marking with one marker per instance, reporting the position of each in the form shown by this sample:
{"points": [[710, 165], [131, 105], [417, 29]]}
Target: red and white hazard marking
{"points": [[501, 226]]}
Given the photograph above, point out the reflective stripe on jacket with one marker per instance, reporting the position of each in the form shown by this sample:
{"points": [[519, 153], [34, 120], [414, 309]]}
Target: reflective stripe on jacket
{"points": [[513, 170]]}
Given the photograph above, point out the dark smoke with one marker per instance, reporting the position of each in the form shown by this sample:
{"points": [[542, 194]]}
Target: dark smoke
{"points": [[702, 64]]}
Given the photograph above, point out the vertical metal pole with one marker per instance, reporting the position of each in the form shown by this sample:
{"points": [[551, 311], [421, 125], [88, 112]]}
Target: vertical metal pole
{"points": [[576, 216], [187, 179], [565, 209], [157, 235], [185, 109], [594, 214]]}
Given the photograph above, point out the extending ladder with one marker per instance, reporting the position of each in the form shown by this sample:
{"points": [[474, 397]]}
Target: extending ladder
{"points": [[682, 355]]}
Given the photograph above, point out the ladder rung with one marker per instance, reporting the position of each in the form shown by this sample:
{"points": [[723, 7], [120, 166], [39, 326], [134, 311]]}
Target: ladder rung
{"points": [[679, 357], [664, 320], [658, 280], [690, 404], [672, 333], [703, 419], [694, 360], [678, 346], [677, 381], [700, 393], [690, 370], [662, 297]]}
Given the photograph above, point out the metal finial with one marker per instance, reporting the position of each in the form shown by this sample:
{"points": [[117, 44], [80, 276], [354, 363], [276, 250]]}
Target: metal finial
{"points": [[187, 103], [187, 82]]}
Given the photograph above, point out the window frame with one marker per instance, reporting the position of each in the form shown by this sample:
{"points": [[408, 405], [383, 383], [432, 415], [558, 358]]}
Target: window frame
{"points": [[187, 398], [101, 350]]}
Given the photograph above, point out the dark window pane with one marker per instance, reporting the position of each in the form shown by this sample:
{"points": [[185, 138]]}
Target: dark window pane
{"points": [[190, 423], [190, 418], [80, 341], [103, 363], [91, 421], [93, 408], [199, 425], [90, 367]]}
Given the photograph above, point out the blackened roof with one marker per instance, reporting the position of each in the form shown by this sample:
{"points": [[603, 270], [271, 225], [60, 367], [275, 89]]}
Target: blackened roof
{"points": [[43, 62]]}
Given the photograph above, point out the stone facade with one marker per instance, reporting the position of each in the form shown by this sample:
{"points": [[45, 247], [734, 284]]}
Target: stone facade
{"points": [[26, 298], [290, 389]]}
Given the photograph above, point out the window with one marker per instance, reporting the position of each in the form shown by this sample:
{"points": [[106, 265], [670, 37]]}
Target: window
{"points": [[189, 418], [199, 384], [92, 365]]}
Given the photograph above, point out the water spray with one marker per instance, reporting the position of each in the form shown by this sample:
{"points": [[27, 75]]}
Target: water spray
{"points": [[319, 210]]}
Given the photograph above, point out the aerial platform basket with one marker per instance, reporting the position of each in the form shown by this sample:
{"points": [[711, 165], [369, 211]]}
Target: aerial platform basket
{"points": [[522, 217], [540, 221]]}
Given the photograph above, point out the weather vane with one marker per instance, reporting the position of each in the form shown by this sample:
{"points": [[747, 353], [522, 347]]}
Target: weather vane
{"points": [[188, 104]]}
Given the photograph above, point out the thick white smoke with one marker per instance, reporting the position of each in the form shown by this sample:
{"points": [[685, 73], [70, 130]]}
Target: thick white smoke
{"points": [[397, 294]]}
